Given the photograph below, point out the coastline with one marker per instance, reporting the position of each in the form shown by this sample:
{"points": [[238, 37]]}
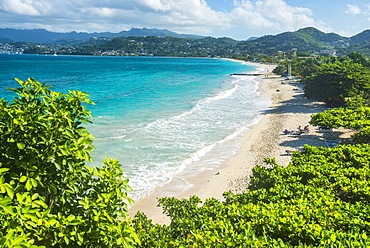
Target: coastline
{"points": [[265, 139]]}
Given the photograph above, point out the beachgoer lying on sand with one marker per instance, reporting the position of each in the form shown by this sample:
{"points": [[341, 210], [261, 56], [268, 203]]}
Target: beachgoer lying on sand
{"points": [[306, 129], [286, 131]]}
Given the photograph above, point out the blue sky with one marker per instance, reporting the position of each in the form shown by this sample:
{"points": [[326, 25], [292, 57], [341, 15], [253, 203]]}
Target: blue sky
{"points": [[237, 19]]}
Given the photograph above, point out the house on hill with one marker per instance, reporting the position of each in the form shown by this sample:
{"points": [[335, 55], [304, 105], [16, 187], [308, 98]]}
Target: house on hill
{"points": [[331, 52]]}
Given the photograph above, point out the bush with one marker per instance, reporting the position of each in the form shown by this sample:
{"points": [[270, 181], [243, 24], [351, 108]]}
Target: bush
{"points": [[321, 199], [48, 196], [333, 83], [342, 117], [363, 136]]}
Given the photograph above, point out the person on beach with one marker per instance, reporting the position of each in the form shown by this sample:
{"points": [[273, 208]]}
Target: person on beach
{"points": [[300, 129], [306, 129]]}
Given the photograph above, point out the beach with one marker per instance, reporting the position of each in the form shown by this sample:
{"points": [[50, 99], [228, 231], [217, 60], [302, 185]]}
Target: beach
{"points": [[288, 110]]}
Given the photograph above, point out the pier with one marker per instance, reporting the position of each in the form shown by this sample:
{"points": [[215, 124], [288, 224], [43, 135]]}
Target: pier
{"points": [[246, 74]]}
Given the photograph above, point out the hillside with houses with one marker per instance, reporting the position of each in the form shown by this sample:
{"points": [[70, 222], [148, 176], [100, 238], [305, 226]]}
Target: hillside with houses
{"points": [[147, 42]]}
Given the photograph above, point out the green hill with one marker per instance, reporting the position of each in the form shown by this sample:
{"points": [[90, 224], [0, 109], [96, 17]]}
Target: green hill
{"points": [[361, 37], [309, 40], [166, 43]]}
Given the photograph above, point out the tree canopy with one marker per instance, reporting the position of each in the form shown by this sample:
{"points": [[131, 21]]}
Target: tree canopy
{"points": [[49, 197], [342, 117], [333, 83]]}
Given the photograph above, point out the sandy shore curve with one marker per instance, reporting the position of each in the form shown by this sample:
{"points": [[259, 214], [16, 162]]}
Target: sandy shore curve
{"points": [[288, 110]]}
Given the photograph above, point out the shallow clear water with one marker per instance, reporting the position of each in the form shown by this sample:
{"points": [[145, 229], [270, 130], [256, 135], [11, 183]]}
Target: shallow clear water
{"points": [[157, 116]]}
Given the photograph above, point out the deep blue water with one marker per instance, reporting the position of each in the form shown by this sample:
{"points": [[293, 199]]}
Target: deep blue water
{"points": [[157, 116]]}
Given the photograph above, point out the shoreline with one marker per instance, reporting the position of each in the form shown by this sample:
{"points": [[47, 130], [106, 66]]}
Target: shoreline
{"points": [[288, 110]]}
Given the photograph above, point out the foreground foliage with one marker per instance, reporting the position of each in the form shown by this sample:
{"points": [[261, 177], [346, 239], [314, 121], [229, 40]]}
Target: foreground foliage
{"points": [[363, 136], [349, 118], [333, 83], [320, 199], [48, 196], [356, 118]]}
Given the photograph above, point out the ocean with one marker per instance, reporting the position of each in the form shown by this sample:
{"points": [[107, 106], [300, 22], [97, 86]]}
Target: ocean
{"points": [[157, 116]]}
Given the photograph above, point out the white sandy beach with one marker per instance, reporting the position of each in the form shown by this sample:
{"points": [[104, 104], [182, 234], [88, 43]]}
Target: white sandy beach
{"points": [[264, 140]]}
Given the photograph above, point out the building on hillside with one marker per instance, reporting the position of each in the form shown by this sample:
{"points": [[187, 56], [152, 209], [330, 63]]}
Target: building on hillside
{"points": [[331, 52]]}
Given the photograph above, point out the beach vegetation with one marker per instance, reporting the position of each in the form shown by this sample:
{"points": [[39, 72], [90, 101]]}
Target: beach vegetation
{"points": [[356, 118], [49, 197], [363, 136], [301, 67], [304, 66], [321, 199], [334, 83]]}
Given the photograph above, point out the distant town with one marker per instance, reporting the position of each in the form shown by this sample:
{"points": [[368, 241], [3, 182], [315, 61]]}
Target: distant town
{"points": [[305, 42]]}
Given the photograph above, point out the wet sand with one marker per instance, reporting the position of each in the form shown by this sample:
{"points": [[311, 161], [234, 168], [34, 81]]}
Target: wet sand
{"points": [[288, 110]]}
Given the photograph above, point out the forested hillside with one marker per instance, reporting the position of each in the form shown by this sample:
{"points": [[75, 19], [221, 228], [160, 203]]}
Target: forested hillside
{"points": [[165, 43]]}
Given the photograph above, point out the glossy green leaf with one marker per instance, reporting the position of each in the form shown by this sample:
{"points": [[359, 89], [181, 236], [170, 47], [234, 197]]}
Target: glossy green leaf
{"points": [[21, 146]]}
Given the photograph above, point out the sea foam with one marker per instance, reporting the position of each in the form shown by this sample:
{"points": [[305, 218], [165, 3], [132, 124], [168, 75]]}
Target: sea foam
{"points": [[159, 117]]}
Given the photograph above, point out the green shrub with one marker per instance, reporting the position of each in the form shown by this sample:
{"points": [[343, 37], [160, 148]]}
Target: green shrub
{"points": [[321, 199], [363, 136], [48, 196], [342, 117]]}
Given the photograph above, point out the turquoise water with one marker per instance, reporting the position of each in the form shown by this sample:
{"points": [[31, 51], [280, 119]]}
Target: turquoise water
{"points": [[157, 116]]}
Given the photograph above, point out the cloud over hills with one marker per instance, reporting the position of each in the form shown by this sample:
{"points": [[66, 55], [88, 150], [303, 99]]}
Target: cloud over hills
{"points": [[194, 16]]}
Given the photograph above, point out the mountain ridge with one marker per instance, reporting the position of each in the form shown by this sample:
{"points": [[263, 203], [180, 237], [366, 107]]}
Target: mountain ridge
{"points": [[161, 42], [44, 36]]}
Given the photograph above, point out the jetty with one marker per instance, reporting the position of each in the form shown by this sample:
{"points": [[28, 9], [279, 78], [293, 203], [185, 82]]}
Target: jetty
{"points": [[246, 74]]}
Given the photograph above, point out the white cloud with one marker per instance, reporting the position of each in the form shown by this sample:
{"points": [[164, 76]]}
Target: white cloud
{"points": [[25, 7], [245, 14], [101, 12], [157, 5], [367, 11], [273, 14], [194, 16], [354, 10]]}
